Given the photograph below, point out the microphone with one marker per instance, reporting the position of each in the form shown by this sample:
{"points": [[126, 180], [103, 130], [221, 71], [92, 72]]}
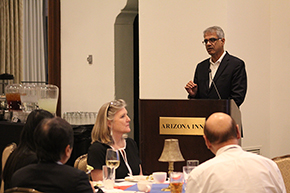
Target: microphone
{"points": [[216, 90]]}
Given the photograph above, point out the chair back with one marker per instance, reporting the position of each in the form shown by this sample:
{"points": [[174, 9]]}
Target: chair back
{"points": [[5, 154], [283, 163], [81, 163], [21, 190]]}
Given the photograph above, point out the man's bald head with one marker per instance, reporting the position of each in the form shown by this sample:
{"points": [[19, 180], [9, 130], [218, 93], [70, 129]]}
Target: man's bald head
{"points": [[220, 128]]}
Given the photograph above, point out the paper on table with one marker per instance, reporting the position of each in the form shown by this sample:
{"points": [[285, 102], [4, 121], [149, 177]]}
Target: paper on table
{"points": [[113, 191], [124, 183]]}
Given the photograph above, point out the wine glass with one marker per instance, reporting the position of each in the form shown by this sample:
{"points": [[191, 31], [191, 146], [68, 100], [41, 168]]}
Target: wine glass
{"points": [[112, 163], [112, 158]]}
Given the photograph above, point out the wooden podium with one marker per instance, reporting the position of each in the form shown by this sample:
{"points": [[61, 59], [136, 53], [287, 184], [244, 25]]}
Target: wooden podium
{"points": [[192, 146]]}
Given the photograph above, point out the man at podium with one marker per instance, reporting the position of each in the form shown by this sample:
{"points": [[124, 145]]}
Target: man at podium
{"points": [[222, 76]]}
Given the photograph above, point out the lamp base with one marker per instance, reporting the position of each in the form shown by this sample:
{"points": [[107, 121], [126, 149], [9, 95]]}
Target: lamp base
{"points": [[166, 189], [170, 169]]}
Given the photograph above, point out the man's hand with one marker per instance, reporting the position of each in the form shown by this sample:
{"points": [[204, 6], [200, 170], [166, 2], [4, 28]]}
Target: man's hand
{"points": [[191, 88]]}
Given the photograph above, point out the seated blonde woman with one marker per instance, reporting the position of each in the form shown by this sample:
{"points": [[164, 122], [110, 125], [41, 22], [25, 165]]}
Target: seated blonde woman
{"points": [[109, 130]]}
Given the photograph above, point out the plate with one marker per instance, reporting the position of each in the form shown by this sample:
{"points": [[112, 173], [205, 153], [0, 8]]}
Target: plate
{"points": [[136, 178], [97, 183], [113, 190], [124, 183], [119, 180]]}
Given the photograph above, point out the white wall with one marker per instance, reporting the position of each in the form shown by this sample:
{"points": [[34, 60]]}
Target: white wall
{"points": [[279, 78], [170, 47], [249, 39], [170, 44], [87, 27]]}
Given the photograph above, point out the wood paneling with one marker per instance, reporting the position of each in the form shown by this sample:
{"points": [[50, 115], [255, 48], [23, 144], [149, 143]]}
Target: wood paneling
{"points": [[192, 146], [54, 53]]}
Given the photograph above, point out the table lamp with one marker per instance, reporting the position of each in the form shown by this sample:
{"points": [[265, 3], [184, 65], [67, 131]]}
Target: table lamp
{"points": [[171, 153]]}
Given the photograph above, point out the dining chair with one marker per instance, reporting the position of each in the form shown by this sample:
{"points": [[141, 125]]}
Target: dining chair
{"points": [[5, 154], [21, 190], [283, 163], [81, 162]]}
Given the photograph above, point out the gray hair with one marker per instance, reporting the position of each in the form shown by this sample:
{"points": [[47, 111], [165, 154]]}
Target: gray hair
{"points": [[215, 29]]}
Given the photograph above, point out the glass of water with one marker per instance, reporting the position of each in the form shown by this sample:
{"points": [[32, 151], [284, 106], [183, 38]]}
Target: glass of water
{"points": [[186, 172], [192, 163]]}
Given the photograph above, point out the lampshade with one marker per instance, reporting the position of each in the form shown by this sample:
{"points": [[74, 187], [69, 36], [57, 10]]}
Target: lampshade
{"points": [[171, 151]]}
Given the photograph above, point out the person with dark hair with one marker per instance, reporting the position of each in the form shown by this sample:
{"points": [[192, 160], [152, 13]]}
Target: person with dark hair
{"points": [[222, 76], [24, 153], [54, 142], [232, 169]]}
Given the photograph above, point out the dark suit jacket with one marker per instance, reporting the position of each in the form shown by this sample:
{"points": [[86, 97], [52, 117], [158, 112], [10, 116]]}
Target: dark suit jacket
{"points": [[51, 178], [230, 79], [23, 160]]}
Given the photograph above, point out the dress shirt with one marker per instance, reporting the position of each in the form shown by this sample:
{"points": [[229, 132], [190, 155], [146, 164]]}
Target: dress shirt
{"points": [[214, 66], [235, 170]]}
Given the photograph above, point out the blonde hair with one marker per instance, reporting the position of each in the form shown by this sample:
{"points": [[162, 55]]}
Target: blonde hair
{"points": [[101, 132]]}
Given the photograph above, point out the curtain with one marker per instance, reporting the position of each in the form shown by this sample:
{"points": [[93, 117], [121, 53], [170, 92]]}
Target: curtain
{"points": [[34, 41], [11, 38]]}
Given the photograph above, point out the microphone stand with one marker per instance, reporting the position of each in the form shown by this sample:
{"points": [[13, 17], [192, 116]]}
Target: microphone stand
{"points": [[216, 90]]}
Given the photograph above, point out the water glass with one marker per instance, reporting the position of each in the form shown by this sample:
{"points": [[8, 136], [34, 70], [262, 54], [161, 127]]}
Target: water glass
{"points": [[80, 118], [92, 117], [108, 177], [192, 163], [186, 172]]}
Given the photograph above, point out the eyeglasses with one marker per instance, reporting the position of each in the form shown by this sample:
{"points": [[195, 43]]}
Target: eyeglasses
{"points": [[113, 103], [211, 40]]}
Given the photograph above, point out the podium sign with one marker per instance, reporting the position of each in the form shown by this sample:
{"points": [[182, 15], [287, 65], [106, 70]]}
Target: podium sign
{"points": [[155, 114], [181, 126]]}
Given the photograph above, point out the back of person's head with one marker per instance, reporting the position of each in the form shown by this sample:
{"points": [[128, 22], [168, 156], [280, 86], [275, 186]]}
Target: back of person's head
{"points": [[215, 29], [26, 146], [52, 136], [101, 131], [33, 119], [220, 128]]}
